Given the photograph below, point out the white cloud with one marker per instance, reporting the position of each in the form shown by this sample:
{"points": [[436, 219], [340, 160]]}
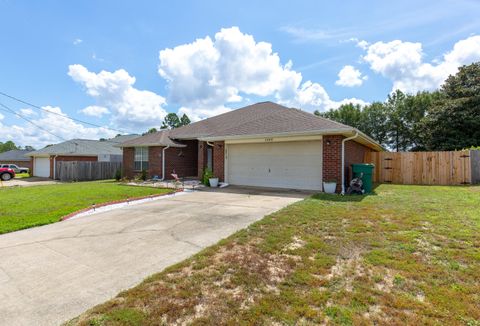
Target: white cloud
{"points": [[312, 96], [77, 41], [350, 77], [27, 112], [60, 125], [363, 44], [95, 111], [131, 108], [208, 74], [402, 62], [200, 114]]}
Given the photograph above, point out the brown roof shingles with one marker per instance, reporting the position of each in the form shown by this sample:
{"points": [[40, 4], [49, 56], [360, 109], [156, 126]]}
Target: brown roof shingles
{"points": [[257, 119]]}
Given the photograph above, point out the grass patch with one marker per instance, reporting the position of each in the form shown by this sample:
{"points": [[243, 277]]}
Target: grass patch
{"points": [[408, 255], [22, 175], [25, 207]]}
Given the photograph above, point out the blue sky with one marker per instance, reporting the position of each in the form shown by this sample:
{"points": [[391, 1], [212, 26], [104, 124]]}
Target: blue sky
{"points": [[52, 54]]}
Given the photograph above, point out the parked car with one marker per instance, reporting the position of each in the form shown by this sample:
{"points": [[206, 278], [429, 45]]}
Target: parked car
{"points": [[6, 174], [15, 168]]}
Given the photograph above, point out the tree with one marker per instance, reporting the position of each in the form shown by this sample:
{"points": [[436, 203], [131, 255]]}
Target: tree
{"points": [[405, 113], [374, 122], [184, 120], [150, 131], [348, 114], [29, 148], [7, 146], [172, 121], [454, 121]]}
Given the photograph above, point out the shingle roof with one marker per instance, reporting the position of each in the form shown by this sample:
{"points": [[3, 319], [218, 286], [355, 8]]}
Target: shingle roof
{"points": [[160, 138], [85, 147], [15, 155], [257, 119]]}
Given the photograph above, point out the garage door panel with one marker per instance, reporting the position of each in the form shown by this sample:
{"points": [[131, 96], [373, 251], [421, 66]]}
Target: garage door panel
{"points": [[41, 167], [296, 165]]}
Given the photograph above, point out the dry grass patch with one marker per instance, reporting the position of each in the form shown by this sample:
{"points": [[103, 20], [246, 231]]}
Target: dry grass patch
{"points": [[407, 255]]}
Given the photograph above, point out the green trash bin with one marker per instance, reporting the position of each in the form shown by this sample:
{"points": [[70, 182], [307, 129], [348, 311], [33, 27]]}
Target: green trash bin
{"points": [[367, 178]]}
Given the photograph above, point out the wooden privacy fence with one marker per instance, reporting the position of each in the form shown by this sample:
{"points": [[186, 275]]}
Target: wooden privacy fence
{"points": [[83, 171], [426, 168]]}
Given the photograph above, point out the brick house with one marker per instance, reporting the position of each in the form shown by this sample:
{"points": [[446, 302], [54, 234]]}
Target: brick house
{"points": [[17, 157], [265, 145], [43, 161]]}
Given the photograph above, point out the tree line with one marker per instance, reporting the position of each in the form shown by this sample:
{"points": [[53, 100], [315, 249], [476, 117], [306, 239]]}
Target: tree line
{"points": [[442, 120], [10, 145]]}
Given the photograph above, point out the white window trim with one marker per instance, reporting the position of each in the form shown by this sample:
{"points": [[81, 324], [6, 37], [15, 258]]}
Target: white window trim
{"points": [[144, 158]]}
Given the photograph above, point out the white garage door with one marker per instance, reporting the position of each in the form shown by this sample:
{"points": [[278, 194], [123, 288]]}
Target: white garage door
{"points": [[42, 167], [295, 165]]}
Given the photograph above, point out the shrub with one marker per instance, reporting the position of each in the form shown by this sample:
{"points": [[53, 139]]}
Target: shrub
{"points": [[207, 174], [143, 175], [118, 175]]}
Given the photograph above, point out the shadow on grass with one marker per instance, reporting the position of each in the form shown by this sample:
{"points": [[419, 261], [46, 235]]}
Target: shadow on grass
{"points": [[345, 198]]}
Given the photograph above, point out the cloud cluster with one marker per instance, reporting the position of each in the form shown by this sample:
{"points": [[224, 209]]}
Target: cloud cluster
{"points": [[130, 107], [95, 111], [57, 124], [402, 63], [208, 74], [350, 77]]}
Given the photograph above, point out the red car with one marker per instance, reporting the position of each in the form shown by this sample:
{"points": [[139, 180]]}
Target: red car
{"points": [[6, 174]]}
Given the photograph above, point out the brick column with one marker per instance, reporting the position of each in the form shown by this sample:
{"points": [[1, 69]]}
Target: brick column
{"points": [[155, 161], [202, 156], [128, 157], [219, 160], [332, 159]]}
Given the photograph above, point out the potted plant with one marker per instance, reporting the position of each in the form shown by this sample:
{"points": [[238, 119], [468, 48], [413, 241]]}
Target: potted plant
{"points": [[209, 179], [213, 182], [329, 186]]}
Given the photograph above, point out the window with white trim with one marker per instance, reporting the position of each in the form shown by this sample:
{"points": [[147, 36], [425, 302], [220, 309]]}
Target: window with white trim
{"points": [[141, 158]]}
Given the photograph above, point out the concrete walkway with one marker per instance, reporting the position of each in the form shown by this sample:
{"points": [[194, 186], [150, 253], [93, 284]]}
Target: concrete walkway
{"points": [[51, 274]]}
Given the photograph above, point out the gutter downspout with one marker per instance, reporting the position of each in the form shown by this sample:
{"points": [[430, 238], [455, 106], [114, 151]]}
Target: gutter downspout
{"points": [[55, 167], [343, 159], [209, 143], [163, 162]]}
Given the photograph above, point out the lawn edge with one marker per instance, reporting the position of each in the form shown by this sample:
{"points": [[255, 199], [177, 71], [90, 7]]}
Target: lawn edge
{"points": [[114, 202]]}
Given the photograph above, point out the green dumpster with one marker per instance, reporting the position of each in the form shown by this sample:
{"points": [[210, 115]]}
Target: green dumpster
{"points": [[367, 177]]}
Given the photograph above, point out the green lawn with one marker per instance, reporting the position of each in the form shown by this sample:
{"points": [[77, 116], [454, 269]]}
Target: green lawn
{"points": [[408, 255], [22, 175], [25, 207]]}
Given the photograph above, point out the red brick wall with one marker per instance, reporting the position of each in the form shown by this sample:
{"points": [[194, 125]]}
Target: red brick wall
{"points": [[332, 159], [154, 161], [20, 164], [182, 160], [70, 159], [128, 162], [219, 160]]}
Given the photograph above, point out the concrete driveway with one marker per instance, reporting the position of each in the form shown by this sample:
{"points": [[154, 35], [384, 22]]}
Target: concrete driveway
{"points": [[51, 274], [26, 182]]}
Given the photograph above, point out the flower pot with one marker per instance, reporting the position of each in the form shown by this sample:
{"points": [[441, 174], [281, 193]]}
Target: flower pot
{"points": [[213, 182], [329, 187]]}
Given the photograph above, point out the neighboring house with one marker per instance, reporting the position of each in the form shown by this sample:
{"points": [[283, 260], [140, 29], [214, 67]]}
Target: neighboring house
{"points": [[17, 157], [264, 144], [44, 160]]}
